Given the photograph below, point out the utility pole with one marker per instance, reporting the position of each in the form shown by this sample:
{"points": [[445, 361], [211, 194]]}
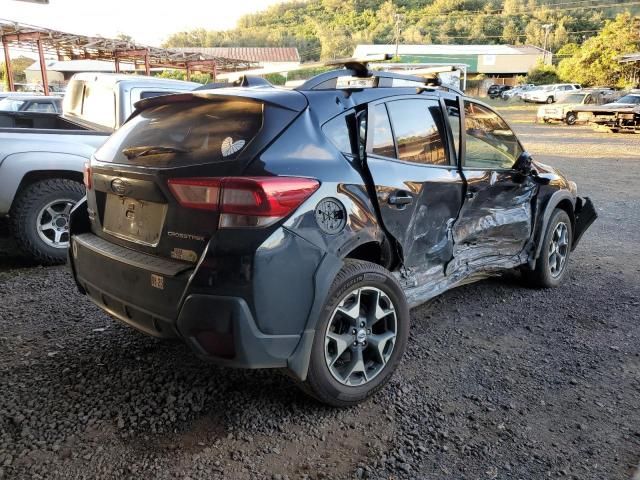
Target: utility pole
{"points": [[398, 18], [547, 28]]}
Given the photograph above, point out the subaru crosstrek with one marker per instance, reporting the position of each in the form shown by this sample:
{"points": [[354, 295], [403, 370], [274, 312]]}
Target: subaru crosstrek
{"points": [[294, 229]]}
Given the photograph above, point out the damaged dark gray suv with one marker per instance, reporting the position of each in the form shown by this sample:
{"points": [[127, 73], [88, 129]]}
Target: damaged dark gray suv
{"points": [[294, 229]]}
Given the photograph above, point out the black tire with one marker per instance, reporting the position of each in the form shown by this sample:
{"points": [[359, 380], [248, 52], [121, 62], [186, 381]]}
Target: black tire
{"points": [[550, 100], [571, 118], [542, 276], [320, 382], [26, 211]]}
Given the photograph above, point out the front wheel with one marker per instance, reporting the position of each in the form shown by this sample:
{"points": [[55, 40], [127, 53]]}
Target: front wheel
{"points": [[551, 267], [361, 335], [550, 100], [40, 218]]}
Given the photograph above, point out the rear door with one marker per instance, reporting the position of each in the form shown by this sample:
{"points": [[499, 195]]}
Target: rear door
{"points": [[418, 187], [495, 220]]}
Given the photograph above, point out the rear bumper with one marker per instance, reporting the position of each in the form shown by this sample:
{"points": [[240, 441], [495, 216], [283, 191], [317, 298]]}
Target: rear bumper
{"points": [[220, 329]]}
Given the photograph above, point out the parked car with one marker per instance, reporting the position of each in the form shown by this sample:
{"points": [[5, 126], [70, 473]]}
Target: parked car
{"points": [[566, 111], [517, 91], [294, 229], [623, 115], [550, 93], [42, 155], [31, 103], [495, 91]]}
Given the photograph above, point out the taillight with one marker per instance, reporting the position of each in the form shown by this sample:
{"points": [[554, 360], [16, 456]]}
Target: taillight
{"points": [[86, 175], [202, 194], [244, 201]]}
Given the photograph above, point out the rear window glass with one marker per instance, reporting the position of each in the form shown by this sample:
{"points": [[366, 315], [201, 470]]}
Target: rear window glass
{"points": [[185, 133]]}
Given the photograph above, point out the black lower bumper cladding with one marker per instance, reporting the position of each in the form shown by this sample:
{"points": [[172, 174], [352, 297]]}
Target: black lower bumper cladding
{"points": [[585, 215], [220, 329]]}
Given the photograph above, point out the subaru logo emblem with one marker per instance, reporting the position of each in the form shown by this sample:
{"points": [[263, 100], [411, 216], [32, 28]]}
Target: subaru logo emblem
{"points": [[119, 186]]}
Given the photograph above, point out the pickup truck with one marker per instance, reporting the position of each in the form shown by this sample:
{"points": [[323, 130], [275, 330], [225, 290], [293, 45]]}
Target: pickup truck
{"points": [[623, 115], [42, 155]]}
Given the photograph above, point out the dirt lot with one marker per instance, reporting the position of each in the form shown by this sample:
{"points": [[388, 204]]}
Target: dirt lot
{"points": [[499, 381]]}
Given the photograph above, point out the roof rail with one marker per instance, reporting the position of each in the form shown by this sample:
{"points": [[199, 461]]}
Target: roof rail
{"points": [[358, 68]]}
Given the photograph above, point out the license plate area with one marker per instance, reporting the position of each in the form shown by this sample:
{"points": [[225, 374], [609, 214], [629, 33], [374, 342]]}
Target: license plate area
{"points": [[138, 221]]}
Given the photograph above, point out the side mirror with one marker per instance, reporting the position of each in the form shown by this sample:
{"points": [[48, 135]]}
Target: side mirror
{"points": [[524, 163]]}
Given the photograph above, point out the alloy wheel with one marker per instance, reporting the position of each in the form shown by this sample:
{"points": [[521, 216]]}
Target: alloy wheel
{"points": [[53, 223], [558, 249], [360, 336]]}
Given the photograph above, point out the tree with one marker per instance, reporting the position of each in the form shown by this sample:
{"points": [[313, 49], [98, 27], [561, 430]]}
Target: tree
{"points": [[182, 75], [126, 38], [543, 74], [596, 62], [330, 28], [18, 65]]}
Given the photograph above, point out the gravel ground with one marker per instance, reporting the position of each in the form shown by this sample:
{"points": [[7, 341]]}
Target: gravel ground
{"points": [[499, 381]]}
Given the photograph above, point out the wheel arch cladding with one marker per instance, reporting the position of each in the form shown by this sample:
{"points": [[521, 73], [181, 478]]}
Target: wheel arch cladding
{"points": [[560, 199], [298, 362]]}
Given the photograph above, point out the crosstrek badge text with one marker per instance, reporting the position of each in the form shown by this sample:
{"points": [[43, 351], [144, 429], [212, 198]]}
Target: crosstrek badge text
{"points": [[186, 236]]}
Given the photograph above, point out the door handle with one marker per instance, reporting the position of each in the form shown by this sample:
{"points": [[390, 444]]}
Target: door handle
{"points": [[400, 198]]}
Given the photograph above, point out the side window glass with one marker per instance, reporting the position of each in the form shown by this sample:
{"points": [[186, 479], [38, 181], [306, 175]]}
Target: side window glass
{"points": [[381, 131], [337, 131], [453, 117], [417, 134], [490, 143]]}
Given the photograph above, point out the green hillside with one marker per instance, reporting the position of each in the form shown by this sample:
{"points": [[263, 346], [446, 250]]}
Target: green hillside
{"points": [[322, 29]]}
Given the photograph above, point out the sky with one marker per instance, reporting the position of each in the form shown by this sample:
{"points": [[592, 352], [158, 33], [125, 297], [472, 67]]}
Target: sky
{"points": [[148, 21]]}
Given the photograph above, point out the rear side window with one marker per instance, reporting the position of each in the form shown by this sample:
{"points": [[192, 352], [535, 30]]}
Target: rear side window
{"points": [[337, 131], [185, 133], [417, 134]]}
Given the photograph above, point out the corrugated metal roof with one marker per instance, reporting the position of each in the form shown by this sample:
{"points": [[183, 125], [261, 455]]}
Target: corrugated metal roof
{"points": [[251, 54], [364, 50], [82, 66]]}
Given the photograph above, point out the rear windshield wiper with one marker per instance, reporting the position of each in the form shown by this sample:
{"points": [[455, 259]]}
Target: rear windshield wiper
{"points": [[144, 150]]}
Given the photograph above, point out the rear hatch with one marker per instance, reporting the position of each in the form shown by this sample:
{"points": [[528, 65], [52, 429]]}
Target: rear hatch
{"points": [[154, 183]]}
